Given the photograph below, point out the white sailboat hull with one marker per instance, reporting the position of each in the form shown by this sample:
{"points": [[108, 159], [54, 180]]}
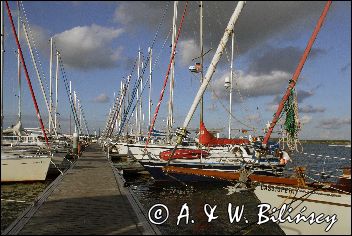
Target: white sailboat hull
{"points": [[320, 202], [24, 169], [122, 148]]}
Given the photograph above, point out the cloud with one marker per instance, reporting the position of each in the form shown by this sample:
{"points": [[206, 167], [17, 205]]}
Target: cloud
{"points": [[345, 67], [305, 119], [38, 36], [102, 98], [311, 109], [335, 123], [187, 50], [254, 118], [301, 96], [259, 20], [88, 47], [129, 13], [280, 59], [252, 85]]}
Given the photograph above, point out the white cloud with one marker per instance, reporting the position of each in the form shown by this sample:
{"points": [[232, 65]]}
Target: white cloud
{"points": [[305, 119], [252, 85], [335, 123], [102, 98], [254, 118], [88, 47], [187, 50], [311, 109]]}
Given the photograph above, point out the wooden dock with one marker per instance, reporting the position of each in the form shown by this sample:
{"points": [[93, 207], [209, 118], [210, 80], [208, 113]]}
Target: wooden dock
{"points": [[89, 198]]}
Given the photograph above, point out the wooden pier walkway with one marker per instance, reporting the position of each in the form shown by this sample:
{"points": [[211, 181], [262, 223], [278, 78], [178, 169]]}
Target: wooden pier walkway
{"points": [[88, 199]]}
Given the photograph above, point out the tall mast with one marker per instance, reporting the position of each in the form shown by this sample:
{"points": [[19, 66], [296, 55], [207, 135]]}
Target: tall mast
{"points": [[70, 112], [80, 112], [150, 50], [51, 120], [50, 82], [137, 110], [56, 87], [2, 66], [19, 64], [170, 119], [140, 95], [75, 106], [295, 76], [26, 73], [201, 55], [231, 82], [214, 62]]}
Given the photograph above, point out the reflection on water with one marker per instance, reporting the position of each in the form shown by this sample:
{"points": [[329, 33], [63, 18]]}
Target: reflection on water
{"points": [[173, 196], [196, 196], [176, 194], [16, 197]]}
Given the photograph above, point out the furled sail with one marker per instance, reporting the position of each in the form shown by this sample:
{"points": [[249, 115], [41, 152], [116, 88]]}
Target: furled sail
{"points": [[207, 139]]}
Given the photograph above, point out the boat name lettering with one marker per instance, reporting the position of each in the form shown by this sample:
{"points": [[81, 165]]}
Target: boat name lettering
{"points": [[282, 189]]}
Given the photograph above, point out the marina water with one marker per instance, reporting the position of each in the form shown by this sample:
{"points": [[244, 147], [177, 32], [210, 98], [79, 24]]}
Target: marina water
{"points": [[15, 198]]}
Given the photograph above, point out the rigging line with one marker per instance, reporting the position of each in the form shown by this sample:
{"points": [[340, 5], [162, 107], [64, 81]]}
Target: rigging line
{"points": [[234, 73], [130, 100], [116, 111], [84, 118], [123, 96], [68, 91], [219, 100], [147, 62], [167, 74], [78, 110], [64, 76], [26, 73], [50, 118], [161, 50], [34, 45]]}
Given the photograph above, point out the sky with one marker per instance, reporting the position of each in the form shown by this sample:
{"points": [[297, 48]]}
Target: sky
{"points": [[99, 42]]}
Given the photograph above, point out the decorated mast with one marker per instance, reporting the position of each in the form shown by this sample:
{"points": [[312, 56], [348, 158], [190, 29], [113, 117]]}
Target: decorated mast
{"points": [[295, 76]]}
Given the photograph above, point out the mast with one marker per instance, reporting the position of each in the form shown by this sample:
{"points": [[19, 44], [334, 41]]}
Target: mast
{"points": [[140, 97], [170, 119], [70, 112], [38, 75], [56, 87], [19, 64], [137, 110], [2, 66], [201, 55], [214, 62], [50, 82], [150, 50], [27, 75], [295, 76], [75, 106], [231, 83], [79, 111]]}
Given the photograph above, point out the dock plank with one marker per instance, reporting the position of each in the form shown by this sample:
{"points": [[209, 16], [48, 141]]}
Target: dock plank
{"points": [[88, 200]]}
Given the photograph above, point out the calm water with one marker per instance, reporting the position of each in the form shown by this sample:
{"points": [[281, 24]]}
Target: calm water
{"points": [[16, 197], [174, 196]]}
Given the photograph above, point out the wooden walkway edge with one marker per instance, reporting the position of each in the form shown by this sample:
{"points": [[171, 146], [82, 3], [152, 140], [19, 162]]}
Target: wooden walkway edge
{"points": [[89, 198]]}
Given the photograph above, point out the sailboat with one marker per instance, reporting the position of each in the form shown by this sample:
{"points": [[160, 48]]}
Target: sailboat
{"points": [[223, 155], [18, 166], [298, 204]]}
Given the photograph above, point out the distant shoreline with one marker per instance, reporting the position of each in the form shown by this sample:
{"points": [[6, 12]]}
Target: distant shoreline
{"points": [[337, 142]]}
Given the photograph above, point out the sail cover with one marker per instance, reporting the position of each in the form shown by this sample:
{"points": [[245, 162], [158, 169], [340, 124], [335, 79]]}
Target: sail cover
{"points": [[207, 139]]}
